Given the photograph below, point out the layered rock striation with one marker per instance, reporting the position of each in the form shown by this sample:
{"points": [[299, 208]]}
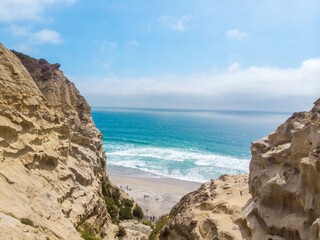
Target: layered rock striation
{"points": [[280, 201], [210, 212], [52, 172], [51, 155], [285, 181]]}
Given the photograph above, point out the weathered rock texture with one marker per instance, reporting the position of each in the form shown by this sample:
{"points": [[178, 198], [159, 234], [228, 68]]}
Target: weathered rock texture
{"points": [[284, 186], [210, 212], [285, 181], [51, 154]]}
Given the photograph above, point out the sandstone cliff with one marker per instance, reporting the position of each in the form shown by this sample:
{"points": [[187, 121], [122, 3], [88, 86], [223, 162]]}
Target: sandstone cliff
{"points": [[209, 212], [284, 186], [51, 155], [53, 183], [285, 181]]}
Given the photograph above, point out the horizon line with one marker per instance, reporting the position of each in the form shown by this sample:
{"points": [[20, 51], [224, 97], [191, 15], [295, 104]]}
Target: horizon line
{"points": [[189, 110]]}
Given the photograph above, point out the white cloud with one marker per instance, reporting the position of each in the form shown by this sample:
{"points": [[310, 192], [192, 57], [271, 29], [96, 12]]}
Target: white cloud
{"points": [[236, 34], [234, 67], [47, 36], [176, 23], [20, 17], [22, 10], [267, 82], [39, 37], [19, 30]]}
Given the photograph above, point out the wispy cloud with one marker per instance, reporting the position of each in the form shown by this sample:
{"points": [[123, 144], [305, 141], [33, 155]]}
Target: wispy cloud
{"points": [[234, 67], [106, 45], [30, 10], [38, 37], [21, 18], [254, 81], [19, 30], [176, 23], [101, 63], [47, 36], [235, 34], [133, 43], [107, 65]]}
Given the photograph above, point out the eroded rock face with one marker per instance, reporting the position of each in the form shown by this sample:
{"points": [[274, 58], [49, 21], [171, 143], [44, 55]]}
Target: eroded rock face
{"points": [[210, 212], [58, 90], [285, 181], [51, 154], [284, 186]]}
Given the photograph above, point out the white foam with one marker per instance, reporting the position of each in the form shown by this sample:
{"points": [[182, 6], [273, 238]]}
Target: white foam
{"points": [[160, 161], [172, 154]]}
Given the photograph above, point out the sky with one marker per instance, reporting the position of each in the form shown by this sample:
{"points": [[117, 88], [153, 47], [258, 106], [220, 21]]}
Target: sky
{"points": [[190, 54]]}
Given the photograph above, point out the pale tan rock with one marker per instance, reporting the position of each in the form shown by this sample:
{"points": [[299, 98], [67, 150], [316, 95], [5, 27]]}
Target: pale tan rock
{"points": [[284, 181], [51, 154], [135, 230], [209, 212], [284, 184]]}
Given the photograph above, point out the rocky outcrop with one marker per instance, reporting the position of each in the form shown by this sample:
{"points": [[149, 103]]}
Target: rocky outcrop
{"points": [[51, 155], [52, 172], [285, 181], [210, 212], [59, 91], [284, 186]]}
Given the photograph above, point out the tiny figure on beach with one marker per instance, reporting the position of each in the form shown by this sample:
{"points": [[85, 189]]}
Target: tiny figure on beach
{"points": [[156, 199]]}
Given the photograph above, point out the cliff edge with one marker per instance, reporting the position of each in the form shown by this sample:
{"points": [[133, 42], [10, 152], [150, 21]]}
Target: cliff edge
{"points": [[51, 155], [285, 181], [280, 200]]}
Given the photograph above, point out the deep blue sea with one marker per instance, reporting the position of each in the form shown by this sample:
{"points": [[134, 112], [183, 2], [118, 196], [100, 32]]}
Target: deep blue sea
{"points": [[183, 144]]}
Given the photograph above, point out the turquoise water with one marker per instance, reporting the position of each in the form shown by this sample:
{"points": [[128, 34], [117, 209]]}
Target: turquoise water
{"points": [[187, 145]]}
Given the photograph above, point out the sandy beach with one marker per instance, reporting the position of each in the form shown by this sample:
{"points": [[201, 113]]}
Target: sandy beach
{"points": [[156, 196]]}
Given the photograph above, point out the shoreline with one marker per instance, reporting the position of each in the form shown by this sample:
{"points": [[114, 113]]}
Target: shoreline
{"points": [[155, 195]]}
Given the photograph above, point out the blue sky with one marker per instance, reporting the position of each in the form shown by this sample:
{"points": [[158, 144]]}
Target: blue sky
{"points": [[207, 54]]}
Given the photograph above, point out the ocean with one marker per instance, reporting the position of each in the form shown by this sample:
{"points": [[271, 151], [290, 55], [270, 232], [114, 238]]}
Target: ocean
{"points": [[192, 145]]}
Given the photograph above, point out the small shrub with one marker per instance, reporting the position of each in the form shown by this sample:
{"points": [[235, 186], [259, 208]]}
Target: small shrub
{"points": [[105, 185], [22, 56], [174, 210], [116, 196], [137, 212], [127, 202], [86, 236], [111, 207], [87, 232], [125, 213], [121, 232], [147, 223], [117, 202], [116, 221], [113, 211], [162, 221], [103, 162], [26, 221]]}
